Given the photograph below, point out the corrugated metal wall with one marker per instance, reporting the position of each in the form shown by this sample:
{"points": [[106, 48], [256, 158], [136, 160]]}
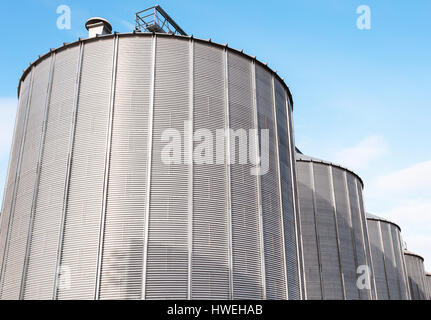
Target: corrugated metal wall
{"points": [[388, 260], [13, 267], [428, 281], [335, 240], [92, 212], [211, 225], [42, 255], [416, 275]]}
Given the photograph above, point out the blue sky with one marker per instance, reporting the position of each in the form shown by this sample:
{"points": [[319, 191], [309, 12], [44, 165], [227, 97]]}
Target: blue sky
{"points": [[362, 97]]}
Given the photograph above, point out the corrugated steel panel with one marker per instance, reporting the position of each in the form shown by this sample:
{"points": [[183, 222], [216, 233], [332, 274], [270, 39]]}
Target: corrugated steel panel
{"points": [[83, 214], [331, 206], [294, 252], [167, 266], [378, 260], [247, 272], [17, 141], [388, 260], [210, 268], [287, 185], [46, 226], [122, 256], [17, 241], [347, 252], [400, 263], [325, 221], [271, 206], [309, 235], [391, 275], [99, 173], [428, 281], [357, 228], [416, 274]]}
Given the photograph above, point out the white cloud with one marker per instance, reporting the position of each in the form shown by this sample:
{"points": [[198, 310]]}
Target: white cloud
{"points": [[405, 198], [414, 180], [361, 155], [414, 218]]}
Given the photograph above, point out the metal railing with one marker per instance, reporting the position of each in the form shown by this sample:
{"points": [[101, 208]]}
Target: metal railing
{"points": [[155, 19]]}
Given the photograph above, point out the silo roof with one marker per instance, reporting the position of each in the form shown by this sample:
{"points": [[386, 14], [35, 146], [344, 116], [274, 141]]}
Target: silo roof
{"points": [[302, 157], [377, 218], [146, 34], [413, 254]]}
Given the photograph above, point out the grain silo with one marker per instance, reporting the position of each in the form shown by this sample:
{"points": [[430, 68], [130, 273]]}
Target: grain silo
{"points": [[428, 282], [416, 274], [334, 231], [93, 211], [388, 259]]}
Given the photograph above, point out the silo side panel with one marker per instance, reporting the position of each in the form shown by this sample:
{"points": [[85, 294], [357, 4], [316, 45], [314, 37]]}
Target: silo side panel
{"points": [[391, 276], [414, 285], [49, 203], [271, 206], [378, 260], [400, 263], [428, 279], [357, 229], [13, 163], [286, 192], [26, 181], [348, 259], [416, 275], [294, 260], [167, 265], [372, 292], [84, 208], [422, 280], [210, 268], [247, 271], [309, 236], [325, 221], [122, 257]]}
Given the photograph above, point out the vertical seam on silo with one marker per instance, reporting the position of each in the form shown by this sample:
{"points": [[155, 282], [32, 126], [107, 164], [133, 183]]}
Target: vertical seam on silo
{"points": [[277, 150], [422, 277], [352, 232], [297, 209], [149, 164], [259, 187], [337, 233], [393, 258], [106, 169], [404, 267], [384, 258], [366, 240], [68, 169], [190, 167], [38, 172], [228, 174], [319, 257], [15, 189]]}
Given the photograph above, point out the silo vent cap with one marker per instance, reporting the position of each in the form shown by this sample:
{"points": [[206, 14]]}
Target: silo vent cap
{"points": [[98, 26]]}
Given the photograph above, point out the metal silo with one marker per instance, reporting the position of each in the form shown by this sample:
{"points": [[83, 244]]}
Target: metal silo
{"points": [[428, 282], [91, 209], [334, 231], [416, 274], [388, 259]]}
